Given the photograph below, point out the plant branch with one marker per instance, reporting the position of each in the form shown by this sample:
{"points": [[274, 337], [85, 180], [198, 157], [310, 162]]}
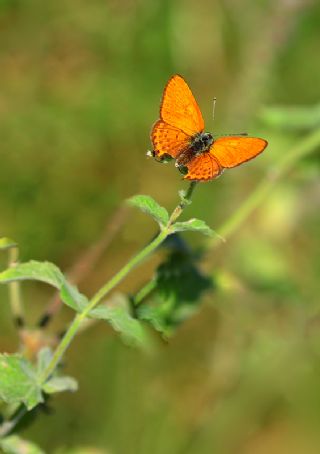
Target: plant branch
{"points": [[305, 147], [185, 200], [144, 292], [14, 291], [112, 283], [87, 260]]}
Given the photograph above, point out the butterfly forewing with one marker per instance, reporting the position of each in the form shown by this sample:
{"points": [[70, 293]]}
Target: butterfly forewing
{"points": [[168, 140], [179, 108], [233, 151]]}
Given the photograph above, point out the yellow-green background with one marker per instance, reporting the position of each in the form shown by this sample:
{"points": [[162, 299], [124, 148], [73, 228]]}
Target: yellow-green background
{"points": [[80, 84]]}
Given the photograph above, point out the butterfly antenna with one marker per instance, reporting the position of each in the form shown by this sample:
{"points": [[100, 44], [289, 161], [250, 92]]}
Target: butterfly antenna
{"points": [[214, 107], [234, 134]]}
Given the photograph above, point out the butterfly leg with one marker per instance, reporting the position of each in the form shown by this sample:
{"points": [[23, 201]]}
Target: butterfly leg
{"points": [[164, 157], [182, 169]]}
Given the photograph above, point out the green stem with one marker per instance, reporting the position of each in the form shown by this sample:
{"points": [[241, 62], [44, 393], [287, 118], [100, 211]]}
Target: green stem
{"points": [[144, 292], [185, 200], [7, 426], [125, 270], [75, 325], [14, 291], [306, 146], [111, 284]]}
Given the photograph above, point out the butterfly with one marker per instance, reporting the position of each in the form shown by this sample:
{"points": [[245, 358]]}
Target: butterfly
{"points": [[179, 134]]}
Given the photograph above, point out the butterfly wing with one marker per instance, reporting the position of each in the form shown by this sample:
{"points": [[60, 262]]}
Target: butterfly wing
{"points": [[203, 167], [233, 151], [168, 140], [179, 108]]}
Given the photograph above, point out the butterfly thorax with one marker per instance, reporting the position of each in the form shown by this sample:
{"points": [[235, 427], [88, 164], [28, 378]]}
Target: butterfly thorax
{"points": [[199, 143]]}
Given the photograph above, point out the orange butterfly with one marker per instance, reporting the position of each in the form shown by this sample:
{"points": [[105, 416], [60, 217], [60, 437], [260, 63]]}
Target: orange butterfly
{"points": [[179, 134]]}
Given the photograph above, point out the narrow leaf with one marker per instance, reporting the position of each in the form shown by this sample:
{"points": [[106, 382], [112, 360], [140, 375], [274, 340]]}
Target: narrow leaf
{"points": [[117, 313], [16, 445], [148, 205], [60, 384], [194, 225], [18, 381]]}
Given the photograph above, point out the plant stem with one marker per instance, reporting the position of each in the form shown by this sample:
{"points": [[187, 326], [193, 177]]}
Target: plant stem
{"points": [[85, 263], [104, 290], [125, 270], [14, 291], [306, 146], [144, 292], [7, 426], [111, 284], [185, 200]]}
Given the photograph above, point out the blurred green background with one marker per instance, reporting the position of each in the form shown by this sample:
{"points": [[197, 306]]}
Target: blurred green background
{"points": [[80, 85]]}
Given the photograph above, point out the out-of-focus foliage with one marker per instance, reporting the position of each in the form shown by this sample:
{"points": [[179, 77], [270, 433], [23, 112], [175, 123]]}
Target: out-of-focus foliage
{"points": [[80, 85], [175, 292]]}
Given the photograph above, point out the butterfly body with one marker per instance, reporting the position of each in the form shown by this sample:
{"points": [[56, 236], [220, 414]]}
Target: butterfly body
{"points": [[198, 144], [201, 142], [179, 134]]}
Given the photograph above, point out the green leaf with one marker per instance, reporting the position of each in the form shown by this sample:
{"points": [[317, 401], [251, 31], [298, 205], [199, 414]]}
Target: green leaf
{"points": [[18, 381], [179, 286], [7, 243], [50, 274], [71, 296], [16, 445], [117, 313], [148, 205], [55, 384], [33, 270], [194, 225], [60, 384], [44, 358]]}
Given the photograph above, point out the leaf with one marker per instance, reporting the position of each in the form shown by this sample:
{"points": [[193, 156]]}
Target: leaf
{"points": [[148, 205], [71, 296], [18, 381], [60, 384], [44, 358], [33, 270], [194, 225], [7, 243], [50, 274], [16, 445], [177, 295], [55, 384], [117, 313], [178, 287]]}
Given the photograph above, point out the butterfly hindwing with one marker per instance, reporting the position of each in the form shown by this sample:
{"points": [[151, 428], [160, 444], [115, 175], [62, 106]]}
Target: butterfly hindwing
{"points": [[179, 107], [203, 167]]}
